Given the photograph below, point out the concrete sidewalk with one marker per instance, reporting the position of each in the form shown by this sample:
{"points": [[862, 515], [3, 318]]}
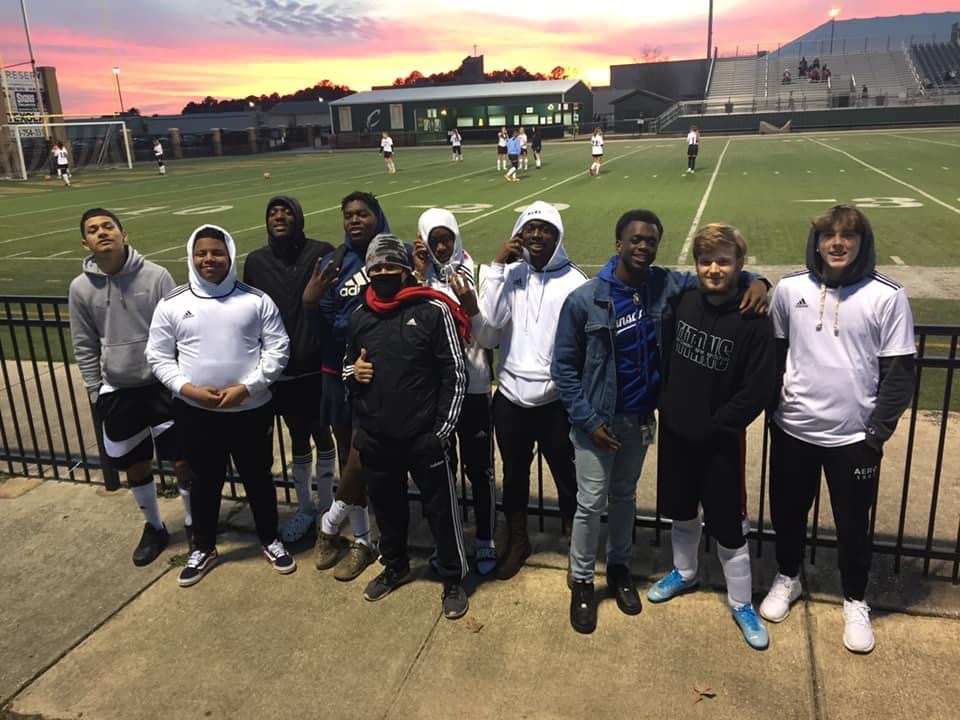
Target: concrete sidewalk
{"points": [[88, 635]]}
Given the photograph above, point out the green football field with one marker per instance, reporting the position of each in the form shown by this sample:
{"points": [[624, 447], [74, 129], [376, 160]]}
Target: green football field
{"points": [[769, 186]]}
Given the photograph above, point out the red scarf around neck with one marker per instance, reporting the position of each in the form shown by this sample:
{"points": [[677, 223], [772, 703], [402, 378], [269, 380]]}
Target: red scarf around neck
{"points": [[409, 295]]}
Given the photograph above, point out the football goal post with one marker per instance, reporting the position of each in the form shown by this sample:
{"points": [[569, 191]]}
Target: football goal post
{"points": [[25, 148]]}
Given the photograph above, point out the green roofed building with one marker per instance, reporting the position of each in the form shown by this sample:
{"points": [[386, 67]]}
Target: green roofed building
{"points": [[414, 115]]}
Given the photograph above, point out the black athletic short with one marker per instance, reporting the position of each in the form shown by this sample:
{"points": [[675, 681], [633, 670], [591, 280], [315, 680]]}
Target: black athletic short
{"points": [[334, 408], [501, 150], [299, 396], [387, 155], [537, 147], [705, 474], [456, 149], [523, 151], [62, 169], [692, 149], [514, 160], [134, 419]]}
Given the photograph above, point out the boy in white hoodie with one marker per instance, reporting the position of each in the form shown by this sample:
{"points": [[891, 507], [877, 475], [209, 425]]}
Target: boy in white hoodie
{"points": [[521, 297], [440, 262], [218, 344]]}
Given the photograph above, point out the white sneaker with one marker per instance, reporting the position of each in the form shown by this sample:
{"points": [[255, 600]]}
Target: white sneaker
{"points": [[857, 631], [783, 593]]}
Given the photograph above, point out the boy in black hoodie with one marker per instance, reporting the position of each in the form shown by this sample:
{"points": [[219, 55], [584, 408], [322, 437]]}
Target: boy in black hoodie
{"points": [[718, 376], [282, 269], [845, 346]]}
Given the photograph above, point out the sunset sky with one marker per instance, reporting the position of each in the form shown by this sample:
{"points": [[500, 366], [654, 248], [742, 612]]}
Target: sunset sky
{"points": [[173, 51]]}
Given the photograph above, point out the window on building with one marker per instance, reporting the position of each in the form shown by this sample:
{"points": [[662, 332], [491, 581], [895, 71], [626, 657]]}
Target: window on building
{"points": [[346, 119], [396, 117]]}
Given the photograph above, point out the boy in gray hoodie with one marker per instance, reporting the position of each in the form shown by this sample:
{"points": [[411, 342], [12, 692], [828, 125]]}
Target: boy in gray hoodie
{"points": [[111, 303]]}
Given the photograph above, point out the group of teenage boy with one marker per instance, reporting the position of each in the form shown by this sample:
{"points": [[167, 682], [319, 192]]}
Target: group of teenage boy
{"points": [[381, 349]]}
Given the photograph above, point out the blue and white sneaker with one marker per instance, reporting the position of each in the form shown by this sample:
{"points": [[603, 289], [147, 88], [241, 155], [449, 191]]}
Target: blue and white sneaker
{"points": [[753, 630], [671, 586]]}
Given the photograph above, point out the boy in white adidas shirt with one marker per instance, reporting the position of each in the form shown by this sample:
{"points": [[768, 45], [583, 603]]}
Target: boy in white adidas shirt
{"points": [[218, 344], [846, 349]]}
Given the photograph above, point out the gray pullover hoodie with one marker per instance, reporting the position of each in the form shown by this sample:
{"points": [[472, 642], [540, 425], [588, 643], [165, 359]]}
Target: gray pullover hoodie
{"points": [[110, 321]]}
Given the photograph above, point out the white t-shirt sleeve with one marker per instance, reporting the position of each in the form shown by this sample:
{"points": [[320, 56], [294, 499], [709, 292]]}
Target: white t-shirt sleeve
{"points": [[896, 327], [780, 313]]}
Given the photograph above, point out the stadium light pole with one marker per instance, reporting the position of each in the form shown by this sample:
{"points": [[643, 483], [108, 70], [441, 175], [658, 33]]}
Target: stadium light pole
{"points": [[33, 62], [116, 75], [833, 25]]}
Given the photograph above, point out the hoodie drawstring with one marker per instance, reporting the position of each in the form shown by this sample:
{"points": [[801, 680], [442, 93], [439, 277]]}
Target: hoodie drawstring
{"points": [[836, 312]]}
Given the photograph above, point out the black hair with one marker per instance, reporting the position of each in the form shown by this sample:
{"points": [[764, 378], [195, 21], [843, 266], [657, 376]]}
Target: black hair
{"points": [[366, 198], [208, 231], [96, 212], [647, 216]]}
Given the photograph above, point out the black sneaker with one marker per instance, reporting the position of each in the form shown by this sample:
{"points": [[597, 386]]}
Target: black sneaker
{"points": [[197, 565], [583, 607], [152, 543], [621, 586], [279, 558], [455, 603], [385, 583]]}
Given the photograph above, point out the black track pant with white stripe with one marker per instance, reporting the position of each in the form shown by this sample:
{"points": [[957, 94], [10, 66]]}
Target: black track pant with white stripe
{"points": [[385, 466]]}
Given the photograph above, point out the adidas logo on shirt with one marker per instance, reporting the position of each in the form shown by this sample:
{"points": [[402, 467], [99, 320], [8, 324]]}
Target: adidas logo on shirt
{"points": [[187, 314], [353, 286], [801, 303], [412, 321]]}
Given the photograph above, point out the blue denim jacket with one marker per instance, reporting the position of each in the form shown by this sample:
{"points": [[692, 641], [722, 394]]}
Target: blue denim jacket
{"points": [[584, 368]]}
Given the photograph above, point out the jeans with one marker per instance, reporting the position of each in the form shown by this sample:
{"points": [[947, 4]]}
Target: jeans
{"points": [[607, 481]]}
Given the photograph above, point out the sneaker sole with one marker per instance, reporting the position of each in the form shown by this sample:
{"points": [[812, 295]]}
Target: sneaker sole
{"points": [[456, 615], [770, 618], [747, 640], [285, 570], [194, 580], [400, 584], [857, 651], [678, 593]]}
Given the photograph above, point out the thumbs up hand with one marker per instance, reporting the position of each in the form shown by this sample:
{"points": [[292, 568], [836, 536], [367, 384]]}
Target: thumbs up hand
{"points": [[363, 368]]}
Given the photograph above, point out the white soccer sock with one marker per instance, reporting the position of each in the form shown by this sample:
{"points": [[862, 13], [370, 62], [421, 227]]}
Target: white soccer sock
{"points": [[538, 163], [326, 473], [499, 165], [360, 524], [511, 172], [187, 509], [302, 467], [146, 497], [685, 538], [163, 170], [334, 517], [736, 571]]}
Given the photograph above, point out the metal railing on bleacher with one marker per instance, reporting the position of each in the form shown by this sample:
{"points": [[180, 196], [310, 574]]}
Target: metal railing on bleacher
{"points": [[47, 430]]}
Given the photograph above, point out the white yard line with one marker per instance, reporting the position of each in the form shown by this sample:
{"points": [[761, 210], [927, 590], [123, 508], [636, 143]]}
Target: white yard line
{"points": [[685, 250], [924, 140], [62, 252], [540, 191], [887, 175]]}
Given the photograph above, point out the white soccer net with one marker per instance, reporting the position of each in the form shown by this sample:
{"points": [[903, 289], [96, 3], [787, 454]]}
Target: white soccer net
{"points": [[26, 149], [768, 129]]}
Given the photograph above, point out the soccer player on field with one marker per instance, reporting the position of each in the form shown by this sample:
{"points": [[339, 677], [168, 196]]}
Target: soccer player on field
{"points": [[502, 138], [111, 303], [845, 345], [442, 263], [386, 147], [62, 157], [523, 148], [513, 152], [596, 151], [282, 269], [536, 142], [218, 344], [718, 377], [158, 154], [693, 147], [456, 141]]}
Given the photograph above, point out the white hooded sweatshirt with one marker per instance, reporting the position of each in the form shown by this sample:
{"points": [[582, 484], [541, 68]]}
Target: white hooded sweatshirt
{"points": [[524, 305], [437, 276], [218, 335]]}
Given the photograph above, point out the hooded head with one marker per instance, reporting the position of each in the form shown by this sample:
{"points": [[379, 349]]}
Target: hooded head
{"points": [[284, 218], [210, 237], [539, 250], [441, 219], [840, 246], [359, 227]]}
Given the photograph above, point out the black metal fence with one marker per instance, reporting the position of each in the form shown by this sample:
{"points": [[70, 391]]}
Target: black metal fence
{"points": [[47, 430]]}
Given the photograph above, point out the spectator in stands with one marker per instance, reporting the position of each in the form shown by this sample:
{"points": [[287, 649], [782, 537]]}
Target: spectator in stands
{"points": [[845, 349], [108, 342], [282, 269], [864, 94], [786, 77], [816, 64], [802, 67], [791, 105], [826, 73], [814, 75], [529, 279], [441, 262]]}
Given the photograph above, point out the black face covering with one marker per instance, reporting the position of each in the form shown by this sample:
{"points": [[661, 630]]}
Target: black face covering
{"points": [[386, 286]]}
